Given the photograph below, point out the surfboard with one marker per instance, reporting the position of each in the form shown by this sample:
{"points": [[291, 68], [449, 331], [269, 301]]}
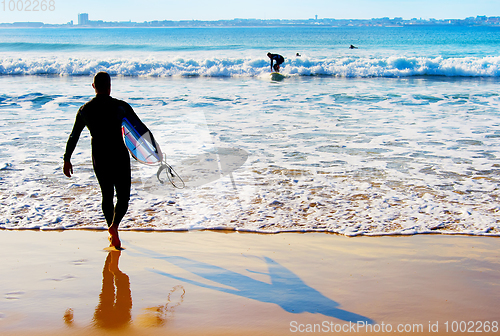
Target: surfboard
{"points": [[276, 76], [140, 141]]}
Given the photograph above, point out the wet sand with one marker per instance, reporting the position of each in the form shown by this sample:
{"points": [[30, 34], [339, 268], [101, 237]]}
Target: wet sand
{"points": [[228, 283]]}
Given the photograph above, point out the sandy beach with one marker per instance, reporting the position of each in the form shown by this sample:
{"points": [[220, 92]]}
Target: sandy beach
{"points": [[228, 283]]}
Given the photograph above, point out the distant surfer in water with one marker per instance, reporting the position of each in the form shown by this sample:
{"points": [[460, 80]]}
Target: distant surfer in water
{"points": [[103, 117], [352, 47], [275, 58]]}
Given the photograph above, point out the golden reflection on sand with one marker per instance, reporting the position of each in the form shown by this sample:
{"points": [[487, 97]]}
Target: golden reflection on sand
{"points": [[115, 300], [113, 312]]}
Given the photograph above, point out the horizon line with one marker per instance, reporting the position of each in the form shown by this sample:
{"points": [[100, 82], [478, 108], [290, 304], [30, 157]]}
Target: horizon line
{"points": [[316, 19]]}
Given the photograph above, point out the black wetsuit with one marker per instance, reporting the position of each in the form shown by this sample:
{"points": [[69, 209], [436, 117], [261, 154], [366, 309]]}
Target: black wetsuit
{"points": [[103, 117], [278, 58]]}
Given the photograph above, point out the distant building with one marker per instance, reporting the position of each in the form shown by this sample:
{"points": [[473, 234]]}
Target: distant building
{"points": [[83, 19]]}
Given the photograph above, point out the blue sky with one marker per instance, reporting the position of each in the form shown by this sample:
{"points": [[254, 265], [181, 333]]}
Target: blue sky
{"points": [[148, 10]]}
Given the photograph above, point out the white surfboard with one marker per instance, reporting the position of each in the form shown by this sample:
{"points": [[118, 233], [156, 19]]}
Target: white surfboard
{"points": [[276, 76]]}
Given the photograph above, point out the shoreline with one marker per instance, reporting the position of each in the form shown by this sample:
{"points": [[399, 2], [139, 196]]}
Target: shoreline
{"points": [[263, 232], [234, 283]]}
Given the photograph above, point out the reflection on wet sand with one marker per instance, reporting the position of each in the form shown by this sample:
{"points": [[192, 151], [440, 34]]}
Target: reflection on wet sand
{"points": [[115, 300]]}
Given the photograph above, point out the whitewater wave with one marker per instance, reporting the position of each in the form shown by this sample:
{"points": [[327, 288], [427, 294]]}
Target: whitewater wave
{"points": [[349, 67]]}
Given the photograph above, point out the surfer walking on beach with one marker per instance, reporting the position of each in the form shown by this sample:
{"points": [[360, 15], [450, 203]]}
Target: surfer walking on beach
{"points": [[276, 58], [103, 117]]}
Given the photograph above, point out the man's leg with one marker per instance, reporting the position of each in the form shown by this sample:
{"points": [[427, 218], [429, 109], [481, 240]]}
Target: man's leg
{"points": [[107, 190], [122, 199], [122, 186], [106, 179], [108, 209]]}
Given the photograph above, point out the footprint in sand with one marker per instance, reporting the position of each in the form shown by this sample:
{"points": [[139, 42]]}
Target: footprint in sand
{"points": [[79, 262], [14, 295], [64, 277]]}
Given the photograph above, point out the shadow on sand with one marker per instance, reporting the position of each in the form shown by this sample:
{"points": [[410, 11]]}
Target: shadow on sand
{"points": [[285, 289]]}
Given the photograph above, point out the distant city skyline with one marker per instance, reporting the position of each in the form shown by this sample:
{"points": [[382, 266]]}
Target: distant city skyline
{"points": [[84, 22], [149, 10]]}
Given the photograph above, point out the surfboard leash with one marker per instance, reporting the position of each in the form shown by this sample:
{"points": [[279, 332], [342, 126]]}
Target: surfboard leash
{"points": [[171, 174]]}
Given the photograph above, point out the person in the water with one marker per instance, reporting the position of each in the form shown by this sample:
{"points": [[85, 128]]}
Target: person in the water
{"points": [[275, 58], [103, 117]]}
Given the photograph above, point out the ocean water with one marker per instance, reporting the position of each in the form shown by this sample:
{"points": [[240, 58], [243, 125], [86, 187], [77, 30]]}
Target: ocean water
{"points": [[400, 136]]}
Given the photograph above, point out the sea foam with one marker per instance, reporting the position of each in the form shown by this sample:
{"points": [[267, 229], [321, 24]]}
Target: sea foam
{"points": [[342, 66], [347, 156]]}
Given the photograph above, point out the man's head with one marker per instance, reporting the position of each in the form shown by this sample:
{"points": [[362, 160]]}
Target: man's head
{"points": [[102, 83], [269, 55]]}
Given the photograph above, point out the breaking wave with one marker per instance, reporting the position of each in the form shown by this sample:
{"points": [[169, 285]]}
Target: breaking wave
{"points": [[349, 67]]}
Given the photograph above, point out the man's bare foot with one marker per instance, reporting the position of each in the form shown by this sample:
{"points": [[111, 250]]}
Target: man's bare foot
{"points": [[113, 237]]}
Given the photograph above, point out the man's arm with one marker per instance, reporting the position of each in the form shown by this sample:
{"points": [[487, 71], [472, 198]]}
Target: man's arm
{"points": [[68, 168], [71, 144]]}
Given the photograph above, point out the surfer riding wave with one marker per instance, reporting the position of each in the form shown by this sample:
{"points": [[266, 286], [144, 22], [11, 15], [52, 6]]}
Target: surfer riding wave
{"points": [[276, 58]]}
